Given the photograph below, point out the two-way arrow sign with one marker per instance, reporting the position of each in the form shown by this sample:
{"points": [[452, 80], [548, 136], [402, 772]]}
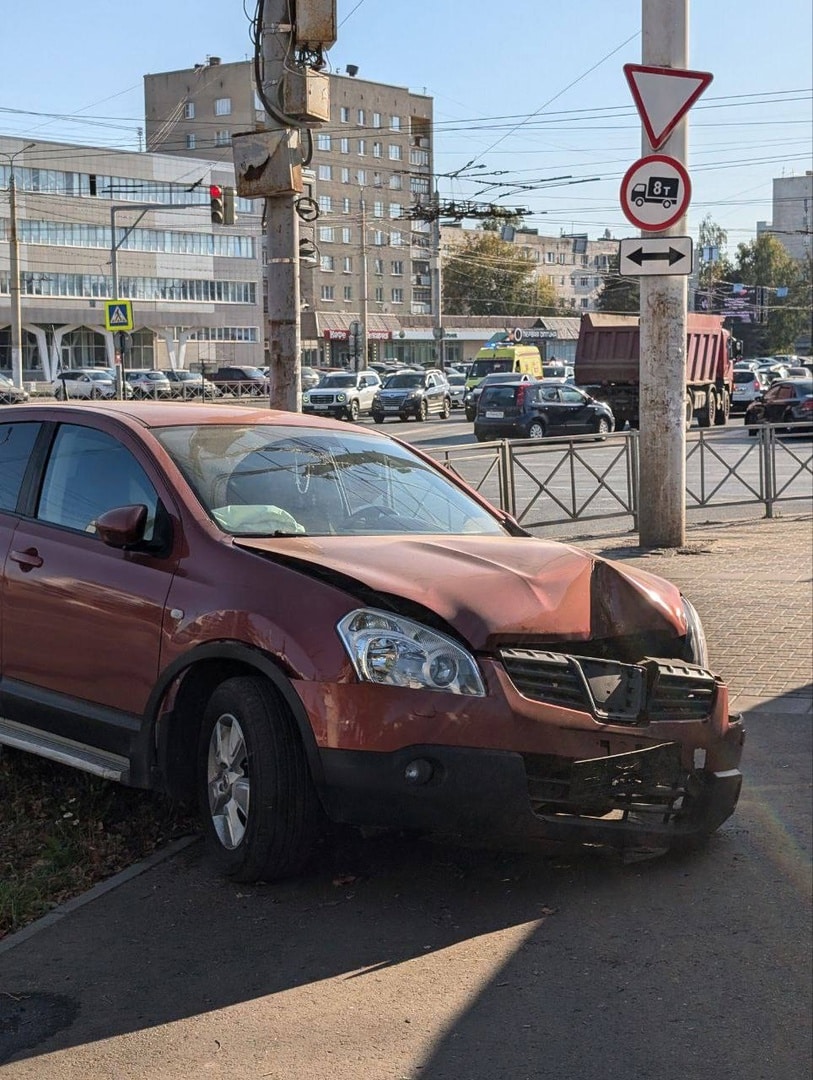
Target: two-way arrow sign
{"points": [[644, 255]]}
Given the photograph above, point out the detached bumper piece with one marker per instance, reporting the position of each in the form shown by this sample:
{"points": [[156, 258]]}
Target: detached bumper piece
{"points": [[614, 693]]}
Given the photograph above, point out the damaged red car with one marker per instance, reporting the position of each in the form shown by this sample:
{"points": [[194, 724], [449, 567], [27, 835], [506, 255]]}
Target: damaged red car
{"points": [[295, 620]]}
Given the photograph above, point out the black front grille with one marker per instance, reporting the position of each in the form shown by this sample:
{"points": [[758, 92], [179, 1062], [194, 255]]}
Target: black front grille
{"points": [[651, 691], [545, 676]]}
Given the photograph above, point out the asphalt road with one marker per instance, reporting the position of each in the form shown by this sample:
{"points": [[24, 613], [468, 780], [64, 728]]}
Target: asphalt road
{"points": [[400, 960]]}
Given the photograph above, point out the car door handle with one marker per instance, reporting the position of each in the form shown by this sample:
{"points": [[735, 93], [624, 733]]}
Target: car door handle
{"points": [[29, 559]]}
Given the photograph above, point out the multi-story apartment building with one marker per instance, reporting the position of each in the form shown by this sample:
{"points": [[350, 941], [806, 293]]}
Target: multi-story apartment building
{"points": [[195, 288], [574, 265], [371, 163], [792, 222]]}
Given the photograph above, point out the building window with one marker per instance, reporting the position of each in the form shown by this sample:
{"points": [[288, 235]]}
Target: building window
{"points": [[562, 259], [223, 106], [376, 119], [378, 149], [346, 205], [189, 110], [222, 138], [361, 117], [348, 292], [379, 294], [345, 175], [585, 302], [596, 282], [395, 123], [326, 262], [344, 114], [378, 209], [362, 147], [378, 266], [346, 235], [584, 282], [396, 238], [394, 152], [328, 292], [344, 146], [325, 204], [361, 177], [325, 172], [347, 264], [190, 141], [326, 234], [376, 179], [396, 183], [378, 238], [550, 257], [322, 141], [397, 268], [397, 296], [419, 185], [396, 210]]}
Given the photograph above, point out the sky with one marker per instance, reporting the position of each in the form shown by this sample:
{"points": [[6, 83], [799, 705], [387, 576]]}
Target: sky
{"points": [[529, 94]]}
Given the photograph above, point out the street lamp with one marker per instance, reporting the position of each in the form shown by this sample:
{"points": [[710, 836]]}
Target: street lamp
{"points": [[14, 243]]}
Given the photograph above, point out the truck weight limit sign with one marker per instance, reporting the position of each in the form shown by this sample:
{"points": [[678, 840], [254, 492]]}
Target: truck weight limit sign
{"points": [[655, 192]]}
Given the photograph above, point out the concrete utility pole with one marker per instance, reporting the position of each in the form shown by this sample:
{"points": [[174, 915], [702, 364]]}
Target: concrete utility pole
{"points": [[437, 289], [662, 517], [283, 332], [14, 288]]}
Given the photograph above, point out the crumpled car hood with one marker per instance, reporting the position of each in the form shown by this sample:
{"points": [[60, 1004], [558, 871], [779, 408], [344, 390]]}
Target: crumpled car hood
{"points": [[494, 589]]}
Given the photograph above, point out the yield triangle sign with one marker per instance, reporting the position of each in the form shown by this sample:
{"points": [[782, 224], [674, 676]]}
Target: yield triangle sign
{"points": [[663, 96]]}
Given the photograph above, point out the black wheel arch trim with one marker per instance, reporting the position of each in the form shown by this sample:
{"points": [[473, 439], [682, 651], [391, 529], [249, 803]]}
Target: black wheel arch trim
{"points": [[155, 731]]}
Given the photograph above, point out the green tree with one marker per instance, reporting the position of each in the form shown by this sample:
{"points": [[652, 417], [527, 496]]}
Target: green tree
{"points": [[619, 295], [713, 261], [488, 276], [786, 298]]}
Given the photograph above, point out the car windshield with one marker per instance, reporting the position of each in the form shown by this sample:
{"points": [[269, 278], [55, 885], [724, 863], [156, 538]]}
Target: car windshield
{"points": [[744, 376], [457, 380], [262, 480], [99, 376], [404, 380], [489, 366], [339, 379]]}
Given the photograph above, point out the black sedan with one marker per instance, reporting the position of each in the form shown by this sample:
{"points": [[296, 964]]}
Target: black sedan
{"points": [[787, 401], [532, 410]]}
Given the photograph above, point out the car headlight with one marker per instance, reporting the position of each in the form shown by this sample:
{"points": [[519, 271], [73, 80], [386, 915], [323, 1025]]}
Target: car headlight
{"points": [[395, 651], [695, 636], [306, 399], [341, 397]]}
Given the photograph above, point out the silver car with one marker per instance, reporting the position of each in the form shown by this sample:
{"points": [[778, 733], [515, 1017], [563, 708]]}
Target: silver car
{"points": [[149, 384], [92, 383], [747, 384]]}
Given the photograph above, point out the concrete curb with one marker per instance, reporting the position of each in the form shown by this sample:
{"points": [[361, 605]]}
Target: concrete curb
{"points": [[94, 893]]}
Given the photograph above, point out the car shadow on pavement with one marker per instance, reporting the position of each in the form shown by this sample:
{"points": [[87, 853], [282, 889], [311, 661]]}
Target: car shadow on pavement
{"points": [[441, 961]]}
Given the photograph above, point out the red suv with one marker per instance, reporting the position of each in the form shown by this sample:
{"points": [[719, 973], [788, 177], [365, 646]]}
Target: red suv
{"points": [[299, 620]]}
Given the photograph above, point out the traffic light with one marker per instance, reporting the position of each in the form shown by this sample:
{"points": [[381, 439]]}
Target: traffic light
{"points": [[216, 204], [229, 206]]}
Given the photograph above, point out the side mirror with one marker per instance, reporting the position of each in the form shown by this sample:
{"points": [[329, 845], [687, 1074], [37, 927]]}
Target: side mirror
{"points": [[123, 526]]}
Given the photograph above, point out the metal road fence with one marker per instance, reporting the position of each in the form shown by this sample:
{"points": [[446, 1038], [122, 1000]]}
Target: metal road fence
{"points": [[558, 481]]}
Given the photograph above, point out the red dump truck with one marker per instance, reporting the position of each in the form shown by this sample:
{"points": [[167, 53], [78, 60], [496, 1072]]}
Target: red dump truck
{"points": [[607, 366]]}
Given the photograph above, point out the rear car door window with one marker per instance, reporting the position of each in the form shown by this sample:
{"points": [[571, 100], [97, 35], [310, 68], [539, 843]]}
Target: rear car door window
{"points": [[88, 473], [16, 444]]}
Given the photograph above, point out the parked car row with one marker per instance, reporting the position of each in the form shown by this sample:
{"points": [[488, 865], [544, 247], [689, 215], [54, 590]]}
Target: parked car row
{"points": [[787, 401]]}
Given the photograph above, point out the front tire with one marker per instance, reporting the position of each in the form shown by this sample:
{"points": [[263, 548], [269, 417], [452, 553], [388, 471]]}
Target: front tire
{"points": [[707, 416], [536, 430], [423, 410], [259, 808], [353, 411], [446, 411], [724, 412]]}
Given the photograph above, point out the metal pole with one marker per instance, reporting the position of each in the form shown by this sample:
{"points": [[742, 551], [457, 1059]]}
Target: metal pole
{"points": [[282, 233], [16, 307], [362, 359], [662, 507], [437, 292]]}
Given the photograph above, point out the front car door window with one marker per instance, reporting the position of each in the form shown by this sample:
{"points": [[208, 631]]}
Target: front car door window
{"points": [[89, 473]]}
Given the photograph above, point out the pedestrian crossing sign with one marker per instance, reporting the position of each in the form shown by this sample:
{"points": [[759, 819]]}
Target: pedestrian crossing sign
{"points": [[118, 315]]}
